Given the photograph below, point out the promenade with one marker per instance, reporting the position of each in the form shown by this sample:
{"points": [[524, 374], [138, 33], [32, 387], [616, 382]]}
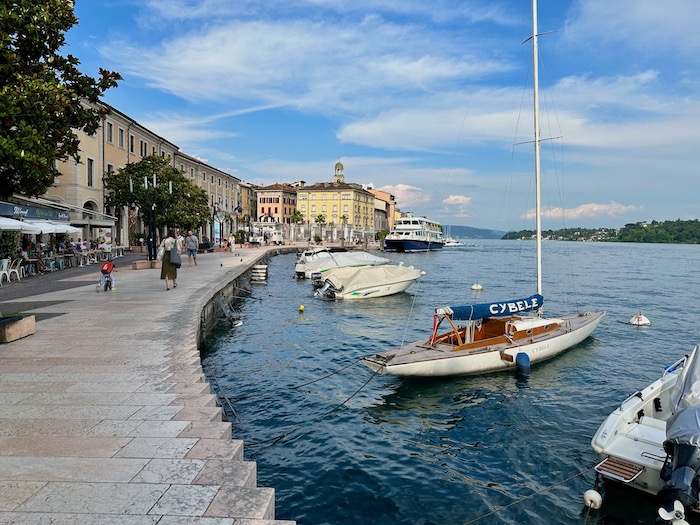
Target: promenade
{"points": [[106, 417]]}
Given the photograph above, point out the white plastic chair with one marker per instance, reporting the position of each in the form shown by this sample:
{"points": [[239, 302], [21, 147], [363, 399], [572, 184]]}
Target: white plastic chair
{"points": [[5, 270], [17, 269]]}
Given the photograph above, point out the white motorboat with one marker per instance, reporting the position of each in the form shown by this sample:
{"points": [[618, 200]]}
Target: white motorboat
{"points": [[324, 261], [367, 282], [495, 336], [651, 442], [452, 243]]}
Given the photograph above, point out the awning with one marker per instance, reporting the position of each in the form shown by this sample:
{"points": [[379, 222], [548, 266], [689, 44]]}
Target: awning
{"points": [[7, 224], [54, 227]]}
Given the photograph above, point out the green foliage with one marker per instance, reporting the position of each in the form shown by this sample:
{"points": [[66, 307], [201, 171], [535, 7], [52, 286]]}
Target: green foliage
{"points": [[185, 208], [297, 217], [44, 98], [9, 241], [676, 232], [241, 236], [320, 219]]}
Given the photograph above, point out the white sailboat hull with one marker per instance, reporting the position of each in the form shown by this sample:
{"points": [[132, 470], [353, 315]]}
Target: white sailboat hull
{"points": [[424, 360]]}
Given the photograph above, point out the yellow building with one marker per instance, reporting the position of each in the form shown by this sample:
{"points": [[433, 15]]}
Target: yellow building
{"points": [[338, 201]]}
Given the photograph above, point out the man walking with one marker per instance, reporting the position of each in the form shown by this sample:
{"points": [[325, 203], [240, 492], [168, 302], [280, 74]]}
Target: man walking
{"points": [[192, 243]]}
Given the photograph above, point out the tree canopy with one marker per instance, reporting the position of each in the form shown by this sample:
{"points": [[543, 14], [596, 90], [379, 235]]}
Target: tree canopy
{"points": [[44, 98], [186, 207]]}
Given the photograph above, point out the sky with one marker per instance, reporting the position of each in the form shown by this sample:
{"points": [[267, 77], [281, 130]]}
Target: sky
{"points": [[430, 101]]}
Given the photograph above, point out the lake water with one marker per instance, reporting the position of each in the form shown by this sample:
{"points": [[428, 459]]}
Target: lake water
{"points": [[352, 448]]}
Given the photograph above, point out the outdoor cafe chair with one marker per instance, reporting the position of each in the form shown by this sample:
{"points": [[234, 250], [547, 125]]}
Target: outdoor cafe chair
{"points": [[17, 269], [5, 270]]}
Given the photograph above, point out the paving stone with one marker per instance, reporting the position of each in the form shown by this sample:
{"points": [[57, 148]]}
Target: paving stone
{"points": [[119, 426]]}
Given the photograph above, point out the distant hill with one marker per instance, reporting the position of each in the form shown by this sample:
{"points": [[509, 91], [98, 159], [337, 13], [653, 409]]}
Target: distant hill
{"points": [[467, 232]]}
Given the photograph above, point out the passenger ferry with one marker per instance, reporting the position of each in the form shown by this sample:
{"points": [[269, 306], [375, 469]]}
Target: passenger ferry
{"points": [[414, 234]]}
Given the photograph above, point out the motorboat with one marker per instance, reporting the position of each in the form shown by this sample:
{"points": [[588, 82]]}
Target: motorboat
{"points": [[304, 269], [651, 442], [367, 282], [452, 243]]}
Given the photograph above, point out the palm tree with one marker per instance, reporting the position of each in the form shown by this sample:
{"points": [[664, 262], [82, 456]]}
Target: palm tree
{"points": [[344, 221], [320, 220]]}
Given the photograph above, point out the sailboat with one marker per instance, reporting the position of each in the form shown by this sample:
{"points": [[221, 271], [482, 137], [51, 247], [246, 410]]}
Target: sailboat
{"points": [[498, 336]]}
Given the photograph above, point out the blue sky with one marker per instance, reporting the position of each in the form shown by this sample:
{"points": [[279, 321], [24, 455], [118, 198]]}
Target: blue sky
{"points": [[430, 101]]}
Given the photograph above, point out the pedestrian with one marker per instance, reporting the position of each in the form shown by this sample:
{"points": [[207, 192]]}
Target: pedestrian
{"points": [[168, 270], [231, 242], [192, 244], [180, 242]]}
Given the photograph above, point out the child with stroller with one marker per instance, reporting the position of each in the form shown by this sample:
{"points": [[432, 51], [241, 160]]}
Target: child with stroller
{"points": [[107, 279]]}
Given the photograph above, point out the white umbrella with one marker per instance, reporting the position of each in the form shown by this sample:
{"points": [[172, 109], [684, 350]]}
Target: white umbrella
{"points": [[46, 227], [7, 224]]}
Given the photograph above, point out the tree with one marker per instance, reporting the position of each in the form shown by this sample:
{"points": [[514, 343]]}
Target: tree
{"points": [[44, 99], [297, 217], [186, 207]]}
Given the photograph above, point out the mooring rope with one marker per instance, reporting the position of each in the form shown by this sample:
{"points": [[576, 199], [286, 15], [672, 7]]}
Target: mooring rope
{"points": [[326, 376], [536, 493], [276, 439]]}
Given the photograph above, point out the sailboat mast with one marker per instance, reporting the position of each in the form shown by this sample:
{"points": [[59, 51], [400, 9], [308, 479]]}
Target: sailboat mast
{"points": [[536, 112]]}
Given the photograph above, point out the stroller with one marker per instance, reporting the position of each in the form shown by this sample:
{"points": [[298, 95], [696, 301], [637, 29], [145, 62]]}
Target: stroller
{"points": [[107, 279]]}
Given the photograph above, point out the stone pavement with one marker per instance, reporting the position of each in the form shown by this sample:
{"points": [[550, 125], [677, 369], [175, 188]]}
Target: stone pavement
{"points": [[105, 414]]}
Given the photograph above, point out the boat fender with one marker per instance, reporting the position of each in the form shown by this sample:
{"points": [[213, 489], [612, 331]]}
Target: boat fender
{"points": [[522, 363], [592, 499]]}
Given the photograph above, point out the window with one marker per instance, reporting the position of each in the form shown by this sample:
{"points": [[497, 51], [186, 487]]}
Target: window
{"points": [[212, 179], [143, 148], [120, 137], [335, 208], [313, 209], [303, 208], [110, 132], [132, 147], [192, 173], [110, 169], [346, 196], [90, 172], [323, 208], [219, 180], [345, 208]]}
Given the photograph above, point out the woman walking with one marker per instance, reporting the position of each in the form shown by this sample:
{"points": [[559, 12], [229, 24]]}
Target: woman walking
{"points": [[168, 270]]}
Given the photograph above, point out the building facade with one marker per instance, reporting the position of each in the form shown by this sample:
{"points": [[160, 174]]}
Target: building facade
{"points": [[276, 203], [119, 141], [338, 203]]}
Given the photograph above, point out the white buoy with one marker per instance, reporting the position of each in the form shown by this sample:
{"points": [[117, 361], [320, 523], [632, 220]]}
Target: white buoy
{"points": [[592, 499], [640, 320], [477, 287]]}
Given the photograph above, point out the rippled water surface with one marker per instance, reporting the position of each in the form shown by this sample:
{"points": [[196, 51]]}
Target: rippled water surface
{"points": [[341, 446]]}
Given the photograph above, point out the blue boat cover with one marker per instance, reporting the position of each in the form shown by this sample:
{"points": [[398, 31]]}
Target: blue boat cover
{"points": [[500, 309]]}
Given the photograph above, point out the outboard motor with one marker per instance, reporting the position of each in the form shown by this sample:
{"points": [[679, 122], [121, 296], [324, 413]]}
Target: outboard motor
{"points": [[326, 292], [681, 472]]}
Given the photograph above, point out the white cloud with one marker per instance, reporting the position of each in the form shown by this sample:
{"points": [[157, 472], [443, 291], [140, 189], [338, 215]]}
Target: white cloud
{"points": [[586, 211]]}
